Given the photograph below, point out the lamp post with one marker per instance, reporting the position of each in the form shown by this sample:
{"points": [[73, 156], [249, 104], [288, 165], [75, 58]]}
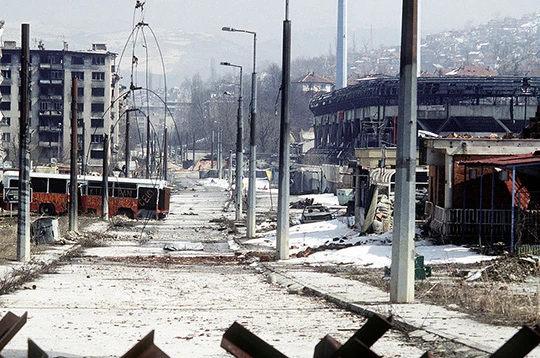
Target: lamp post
{"points": [[239, 155], [252, 134]]}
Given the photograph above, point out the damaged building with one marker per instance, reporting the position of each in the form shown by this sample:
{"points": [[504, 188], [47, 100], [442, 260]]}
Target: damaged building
{"points": [[50, 113], [460, 120]]}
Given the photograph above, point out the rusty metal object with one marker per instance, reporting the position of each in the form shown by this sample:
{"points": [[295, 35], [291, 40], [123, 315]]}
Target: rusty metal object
{"points": [[326, 347], [145, 349], [241, 343], [521, 343], [34, 351], [9, 326]]}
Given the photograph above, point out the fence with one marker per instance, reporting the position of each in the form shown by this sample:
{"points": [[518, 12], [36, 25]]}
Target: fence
{"points": [[485, 226]]}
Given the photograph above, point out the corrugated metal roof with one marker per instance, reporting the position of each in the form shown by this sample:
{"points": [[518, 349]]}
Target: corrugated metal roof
{"points": [[518, 160]]}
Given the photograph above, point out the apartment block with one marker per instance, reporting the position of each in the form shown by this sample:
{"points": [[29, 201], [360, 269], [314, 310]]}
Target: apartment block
{"points": [[52, 72]]}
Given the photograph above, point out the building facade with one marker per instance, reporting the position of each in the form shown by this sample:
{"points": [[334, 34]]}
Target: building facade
{"points": [[52, 72]]}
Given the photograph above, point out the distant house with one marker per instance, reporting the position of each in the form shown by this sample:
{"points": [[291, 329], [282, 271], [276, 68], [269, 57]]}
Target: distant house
{"points": [[314, 84], [469, 71]]}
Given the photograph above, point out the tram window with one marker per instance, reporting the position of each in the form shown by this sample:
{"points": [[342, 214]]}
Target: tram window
{"points": [[125, 190], [57, 186], [94, 188], [39, 185]]}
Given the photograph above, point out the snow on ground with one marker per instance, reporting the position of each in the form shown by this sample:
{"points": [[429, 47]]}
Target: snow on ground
{"points": [[368, 250]]}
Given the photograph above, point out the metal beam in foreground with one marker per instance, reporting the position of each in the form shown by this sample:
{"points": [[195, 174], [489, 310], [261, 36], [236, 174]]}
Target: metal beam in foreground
{"points": [[10, 324], [402, 268], [146, 348], [241, 343]]}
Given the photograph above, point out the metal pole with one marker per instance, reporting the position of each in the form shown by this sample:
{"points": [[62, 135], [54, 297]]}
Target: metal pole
{"points": [[148, 146], [23, 219], [165, 152], [73, 203], [105, 181], [252, 194], [220, 155], [193, 149], [128, 153], [402, 268], [282, 237], [212, 150], [239, 152], [230, 168]]}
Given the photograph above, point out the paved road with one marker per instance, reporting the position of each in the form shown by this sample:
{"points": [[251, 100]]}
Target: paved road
{"points": [[101, 303]]}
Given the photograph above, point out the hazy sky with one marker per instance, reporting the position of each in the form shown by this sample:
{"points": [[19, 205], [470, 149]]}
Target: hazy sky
{"points": [[101, 17], [263, 16]]}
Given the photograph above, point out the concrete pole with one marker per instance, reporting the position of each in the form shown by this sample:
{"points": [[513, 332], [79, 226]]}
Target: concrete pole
{"points": [[165, 153], [230, 168], [73, 203], [239, 152], [23, 219], [148, 146], [212, 150], [282, 235], [252, 193], [105, 181], [402, 269], [220, 154], [341, 56], [128, 153]]}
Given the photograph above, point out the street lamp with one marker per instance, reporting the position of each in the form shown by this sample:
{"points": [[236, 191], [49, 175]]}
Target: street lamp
{"points": [[252, 146], [239, 155]]}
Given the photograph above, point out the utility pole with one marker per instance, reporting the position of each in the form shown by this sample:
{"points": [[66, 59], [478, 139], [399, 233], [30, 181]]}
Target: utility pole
{"points": [[212, 150], [165, 152], [23, 219], [282, 236], [105, 181], [128, 153], [402, 268], [148, 146], [220, 154], [73, 203]]}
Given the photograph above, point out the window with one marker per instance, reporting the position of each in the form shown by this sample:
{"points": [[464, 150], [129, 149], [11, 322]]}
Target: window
{"points": [[77, 60], [6, 122], [96, 123], [6, 106], [52, 59], [39, 185], [80, 107], [98, 107], [5, 59], [96, 138], [95, 188], [58, 186], [80, 91], [57, 106], [98, 76], [98, 60], [6, 137], [44, 106], [5, 89], [96, 154], [98, 91], [78, 74], [6, 74], [57, 75]]}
